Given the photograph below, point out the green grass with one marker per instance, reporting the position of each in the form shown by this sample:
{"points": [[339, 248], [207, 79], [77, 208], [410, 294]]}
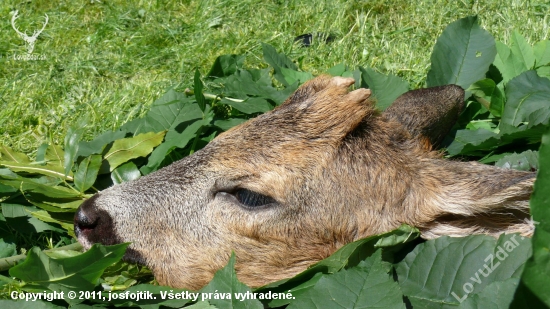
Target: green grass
{"points": [[107, 61]]}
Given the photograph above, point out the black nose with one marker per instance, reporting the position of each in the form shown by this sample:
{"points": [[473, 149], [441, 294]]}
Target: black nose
{"points": [[93, 225]]}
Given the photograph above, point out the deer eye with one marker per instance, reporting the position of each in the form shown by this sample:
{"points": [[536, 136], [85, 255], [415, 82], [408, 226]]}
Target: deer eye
{"points": [[252, 199]]}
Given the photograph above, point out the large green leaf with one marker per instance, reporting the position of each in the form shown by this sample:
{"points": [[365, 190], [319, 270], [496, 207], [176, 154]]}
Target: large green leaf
{"points": [[497, 295], [367, 285], [278, 61], [522, 50], [169, 111], [293, 76], [71, 147], [444, 272], [252, 83], [542, 53], [525, 161], [125, 172], [527, 102], [471, 141], [79, 273], [126, 149], [226, 65], [462, 54], [226, 285], [385, 88], [348, 256], [507, 63], [537, 271]]}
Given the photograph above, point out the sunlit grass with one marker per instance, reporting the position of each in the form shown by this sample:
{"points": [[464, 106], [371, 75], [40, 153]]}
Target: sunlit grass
{"points": [[106, 61]]}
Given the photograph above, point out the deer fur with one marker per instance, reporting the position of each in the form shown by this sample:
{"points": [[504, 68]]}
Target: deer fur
{"points": [[334, 170]]}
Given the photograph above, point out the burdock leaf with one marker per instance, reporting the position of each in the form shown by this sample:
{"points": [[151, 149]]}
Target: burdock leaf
{"points": [[462, 54]]}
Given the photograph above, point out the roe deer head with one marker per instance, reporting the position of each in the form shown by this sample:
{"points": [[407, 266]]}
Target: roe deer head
{"points": [[290, 187]]}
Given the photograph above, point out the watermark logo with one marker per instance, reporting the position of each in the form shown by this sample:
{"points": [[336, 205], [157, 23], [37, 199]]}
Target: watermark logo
{"points": [[30, 40]]}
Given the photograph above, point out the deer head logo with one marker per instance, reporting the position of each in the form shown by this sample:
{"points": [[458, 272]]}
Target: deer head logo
{"points": [[29, 40]]}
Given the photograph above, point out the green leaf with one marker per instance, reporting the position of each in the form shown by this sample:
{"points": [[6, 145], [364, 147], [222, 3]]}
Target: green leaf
{"points": [[16, 210], [71, 147], [41, 152], [522, 50], [97, 145], [126, 172], [79, 273], [472, 141], [35, 168], [292, 76], [385, 88], [462, 54], [53, 206], [525, 161], [198, 88], [337, 70], [537, 270], [226, 65], [497, 295], [474, 262], [368, 285], [20, 218], [226, 284], [201, 305], [173, 140], [544, 71], [348, 256], [7, 249], [527, 102], [166, 113], [508, 63], [162, 295], [45, 216], [228, 123], [489, 95], [7, 154], [278, 61], [401, 235], [57, 192], [126, 149], [541, 51], [87, 171]]}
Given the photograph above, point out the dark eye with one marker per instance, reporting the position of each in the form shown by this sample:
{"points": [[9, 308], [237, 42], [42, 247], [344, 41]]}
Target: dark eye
{"points": [[252, 199]]}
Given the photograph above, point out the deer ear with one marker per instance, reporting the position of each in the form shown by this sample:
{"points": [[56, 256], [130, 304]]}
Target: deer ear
{"points": [[325, 107], [428, 114]]}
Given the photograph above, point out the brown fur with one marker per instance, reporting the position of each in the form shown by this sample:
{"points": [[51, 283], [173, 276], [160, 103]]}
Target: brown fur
{"points": [[338, 170]]}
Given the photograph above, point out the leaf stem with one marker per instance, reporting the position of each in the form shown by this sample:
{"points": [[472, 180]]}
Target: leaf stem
{"points": [[213, 97]]}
